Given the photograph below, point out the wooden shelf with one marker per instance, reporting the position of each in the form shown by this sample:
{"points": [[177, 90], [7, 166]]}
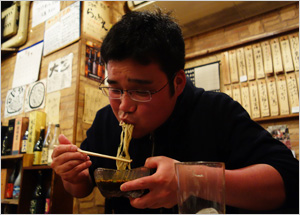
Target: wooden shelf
{"points": [[10, 201], [6, 157], [37, 167], [274, 118]]}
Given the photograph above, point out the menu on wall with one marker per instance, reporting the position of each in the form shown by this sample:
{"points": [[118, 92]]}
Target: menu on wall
{"points": [[233, 67], [263, 98], [241, 64], [249, 62], [293, 92], [273, 99], [43, 10], [258, 61], [268, 64], [255, 110], [294, 41], [245, 97], [276, 55], [282, 95], [62, 29], [95, 17], [286, 54], [28, 65]]}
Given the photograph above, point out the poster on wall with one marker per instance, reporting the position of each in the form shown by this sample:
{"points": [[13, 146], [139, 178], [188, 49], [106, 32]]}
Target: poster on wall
{"points": [[14, 101], [43, 10], [27, 65], [62, 29], [60, 73], [205, 76], [95, 16], [35, 96], [94, 66]]}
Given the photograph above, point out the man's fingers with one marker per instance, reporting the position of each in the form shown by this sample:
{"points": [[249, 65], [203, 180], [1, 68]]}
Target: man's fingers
{"points": [[63, 140]]}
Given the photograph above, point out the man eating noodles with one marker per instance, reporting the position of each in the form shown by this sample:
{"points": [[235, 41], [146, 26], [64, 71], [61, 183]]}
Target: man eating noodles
{"points": [[174, 121]]}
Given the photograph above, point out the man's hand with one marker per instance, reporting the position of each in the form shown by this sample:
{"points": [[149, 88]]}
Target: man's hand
{"points": [[162, 185], [72, 166]]}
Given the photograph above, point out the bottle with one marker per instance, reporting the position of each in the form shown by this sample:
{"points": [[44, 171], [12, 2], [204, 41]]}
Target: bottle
{"points": [[53, 143], [4, 144], [38, 147], [101, 70], [24, 142], [95, 67], [90, 65], [37, 203], [10, 184], [47, 204], [17, 183], [46, 143]]}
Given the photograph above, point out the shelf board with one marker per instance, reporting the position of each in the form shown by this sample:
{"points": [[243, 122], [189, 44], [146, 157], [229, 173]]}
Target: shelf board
{"points": [[6, 157], [274, 118], [10, 201], [37, 167]]}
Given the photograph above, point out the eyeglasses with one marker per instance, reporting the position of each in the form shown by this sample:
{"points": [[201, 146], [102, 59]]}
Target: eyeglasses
{"points": [[135, 95]]}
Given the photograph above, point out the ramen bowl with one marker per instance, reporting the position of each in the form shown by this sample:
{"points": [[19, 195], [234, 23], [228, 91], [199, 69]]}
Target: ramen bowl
{"points": [[109, 181]]}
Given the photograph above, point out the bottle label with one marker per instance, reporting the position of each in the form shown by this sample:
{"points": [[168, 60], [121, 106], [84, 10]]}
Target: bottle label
{"points": [[9, 190], [33, 206], [24, 146], [50, 156], [37, 157], [44, 159], [47, 206], [16, 192]]}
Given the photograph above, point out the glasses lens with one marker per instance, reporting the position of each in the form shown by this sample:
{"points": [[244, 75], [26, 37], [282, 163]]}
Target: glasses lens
{"points": [[114, 93], [139, 95], [104, 91]]}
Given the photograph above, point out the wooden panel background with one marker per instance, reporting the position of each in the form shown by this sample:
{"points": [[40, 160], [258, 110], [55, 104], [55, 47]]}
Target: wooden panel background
{"points": [[209, 47]]}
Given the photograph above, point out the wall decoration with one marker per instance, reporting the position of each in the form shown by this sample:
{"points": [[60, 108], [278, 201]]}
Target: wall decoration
{"points": [[62, 29], [52, 107], [94, 66], [60, 73], [95, 16], [14, 101], [43, 10], [205, 76], [28, 65], [35, 96]]}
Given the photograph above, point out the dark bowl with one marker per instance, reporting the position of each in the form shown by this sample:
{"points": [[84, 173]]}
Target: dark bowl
{"points": [[110, 180]]}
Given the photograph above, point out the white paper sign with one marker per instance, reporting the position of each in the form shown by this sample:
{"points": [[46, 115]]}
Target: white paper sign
{"points": [[62, 29], [14, 101], [60, 73], [208, 77], [35, 96], [28, 65], [43, 10]]}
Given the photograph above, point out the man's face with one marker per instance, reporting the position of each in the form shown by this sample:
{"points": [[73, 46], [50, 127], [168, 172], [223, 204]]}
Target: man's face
{"points": [[145, 116]]}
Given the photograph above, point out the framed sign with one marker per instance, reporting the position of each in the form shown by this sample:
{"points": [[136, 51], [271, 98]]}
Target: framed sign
{"points": [[205, 76], [62, 29]]}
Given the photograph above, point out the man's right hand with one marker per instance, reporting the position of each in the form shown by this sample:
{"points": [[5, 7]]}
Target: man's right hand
{"points": [[72, 166]]}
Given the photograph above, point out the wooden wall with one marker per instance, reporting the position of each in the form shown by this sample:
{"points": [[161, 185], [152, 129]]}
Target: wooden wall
{"points": [[208, 47]]}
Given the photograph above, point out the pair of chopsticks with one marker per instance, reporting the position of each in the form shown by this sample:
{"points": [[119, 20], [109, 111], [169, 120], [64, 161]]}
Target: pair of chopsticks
{"points": [[104, 156]]}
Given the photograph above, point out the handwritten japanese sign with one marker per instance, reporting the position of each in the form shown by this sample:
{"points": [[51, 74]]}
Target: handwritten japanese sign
{"points": [[95, 19], [43, 10], [14, 101], [62, 29], [35, 96], [60, 73], [28, 65]]}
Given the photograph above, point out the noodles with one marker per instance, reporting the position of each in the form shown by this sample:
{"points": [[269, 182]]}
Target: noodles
{"points": [[126, 136]]}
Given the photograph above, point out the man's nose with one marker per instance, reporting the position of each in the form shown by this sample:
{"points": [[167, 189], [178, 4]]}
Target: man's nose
{"points": [[127, 104]]}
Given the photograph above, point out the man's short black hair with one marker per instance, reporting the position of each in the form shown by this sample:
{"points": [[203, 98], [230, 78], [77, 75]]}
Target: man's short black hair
{"points": [[147, 37]]}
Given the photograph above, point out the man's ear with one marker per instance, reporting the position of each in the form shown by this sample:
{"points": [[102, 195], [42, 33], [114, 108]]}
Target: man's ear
{"points": [[179, 82]]}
